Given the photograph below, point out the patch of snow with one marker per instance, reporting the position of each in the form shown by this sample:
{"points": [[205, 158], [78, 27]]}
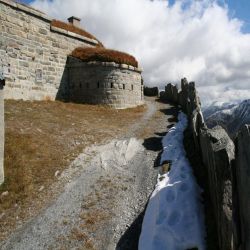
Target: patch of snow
{"points": [[228, 111], [118, 153], [174, 218], [115, 154]]}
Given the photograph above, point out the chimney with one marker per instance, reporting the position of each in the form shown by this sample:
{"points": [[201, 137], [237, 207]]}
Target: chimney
{"points": [[74, 21]]}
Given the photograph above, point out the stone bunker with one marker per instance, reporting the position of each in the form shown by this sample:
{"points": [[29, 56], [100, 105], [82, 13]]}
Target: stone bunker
{"points": [[102, 76], [46, 59]]}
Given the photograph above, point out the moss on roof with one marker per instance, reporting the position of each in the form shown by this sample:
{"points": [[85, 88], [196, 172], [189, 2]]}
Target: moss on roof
{"points": [[74, 29], [104, 55]]}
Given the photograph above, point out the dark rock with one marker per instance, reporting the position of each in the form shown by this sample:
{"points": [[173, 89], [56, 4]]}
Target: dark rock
{"points": [[170, 94], [217, 154], [197, 123], [154, 91], [243, 183]]}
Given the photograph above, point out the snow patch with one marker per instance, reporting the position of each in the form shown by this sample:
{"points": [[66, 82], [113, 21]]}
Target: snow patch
{"points": [[174, 219], [115, 154]]}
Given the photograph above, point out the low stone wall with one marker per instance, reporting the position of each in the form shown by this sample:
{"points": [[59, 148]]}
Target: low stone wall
{"points": [[224, 173], [33, 53], [1, 131], [151, 91], [116, 85], [170, 94]]}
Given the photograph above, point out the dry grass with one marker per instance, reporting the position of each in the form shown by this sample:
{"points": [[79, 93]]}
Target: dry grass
{"points": [[74, 29], [104, 55], [79, 235], [93, 217], [149, 130], [42, 138]]}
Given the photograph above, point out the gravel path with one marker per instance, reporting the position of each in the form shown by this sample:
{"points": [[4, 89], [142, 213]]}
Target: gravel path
{"points": [[102, 204]]}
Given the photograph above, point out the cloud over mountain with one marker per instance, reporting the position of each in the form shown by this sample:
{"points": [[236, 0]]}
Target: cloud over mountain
{"points": [[196, 39]]}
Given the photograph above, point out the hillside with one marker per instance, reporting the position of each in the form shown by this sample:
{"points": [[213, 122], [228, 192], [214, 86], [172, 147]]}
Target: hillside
{"points": [[229, 116]]}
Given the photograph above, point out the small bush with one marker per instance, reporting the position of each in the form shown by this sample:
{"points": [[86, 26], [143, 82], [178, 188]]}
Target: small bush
{"points": [[74, 29], [104, 55]]}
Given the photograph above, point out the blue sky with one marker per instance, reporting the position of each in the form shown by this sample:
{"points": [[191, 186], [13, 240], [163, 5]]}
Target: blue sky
{"points": [[241, 10], [237, 8]]}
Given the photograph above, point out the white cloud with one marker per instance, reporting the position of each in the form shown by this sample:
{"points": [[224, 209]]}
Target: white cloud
{"points": [[195, 39]]}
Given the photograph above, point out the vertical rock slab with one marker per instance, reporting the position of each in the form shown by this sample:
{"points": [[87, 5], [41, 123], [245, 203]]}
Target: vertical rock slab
{"points": [[171, 93], [243, 182], [197, 124], [193, 98], [1, 130], [188, 97], [218, 155], [183, 95]]}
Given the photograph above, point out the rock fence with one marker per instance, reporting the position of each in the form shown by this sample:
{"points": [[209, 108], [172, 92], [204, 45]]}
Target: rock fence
{"points": [[151, 91], [223, 170], [170, 93]]}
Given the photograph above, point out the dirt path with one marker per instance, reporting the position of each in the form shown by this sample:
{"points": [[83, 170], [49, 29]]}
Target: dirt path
{"points": [[102, 204]]}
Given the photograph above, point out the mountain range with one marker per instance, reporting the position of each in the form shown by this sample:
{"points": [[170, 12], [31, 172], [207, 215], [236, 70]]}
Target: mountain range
{"points": [[231, 116]]}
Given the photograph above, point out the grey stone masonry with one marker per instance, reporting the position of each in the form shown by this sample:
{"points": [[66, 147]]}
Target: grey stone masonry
{"points": [[33, 53], [1, 131], [116, 85]]}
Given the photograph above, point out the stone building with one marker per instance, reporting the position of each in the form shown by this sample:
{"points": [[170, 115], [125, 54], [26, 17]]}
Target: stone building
{"points": [[33, 52], [35, 64], [116, 85], [34, 59]]}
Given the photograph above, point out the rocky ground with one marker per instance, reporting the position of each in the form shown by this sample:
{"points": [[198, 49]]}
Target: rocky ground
{"points": [[105, 192]]}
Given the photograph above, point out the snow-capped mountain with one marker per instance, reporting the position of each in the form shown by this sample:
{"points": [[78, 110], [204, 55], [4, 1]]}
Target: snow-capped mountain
{"points": [[218, 106], [229, 116]]}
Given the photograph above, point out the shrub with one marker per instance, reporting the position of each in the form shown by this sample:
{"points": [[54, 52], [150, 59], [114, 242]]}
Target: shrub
{"points": [[104, 55], [74, 29]]}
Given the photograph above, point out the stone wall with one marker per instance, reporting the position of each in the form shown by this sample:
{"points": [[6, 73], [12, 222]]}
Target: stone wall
{"points": [[108, 83], [222, 172], [170, 94], [33, 53], [1, 130], [151, 91]]}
